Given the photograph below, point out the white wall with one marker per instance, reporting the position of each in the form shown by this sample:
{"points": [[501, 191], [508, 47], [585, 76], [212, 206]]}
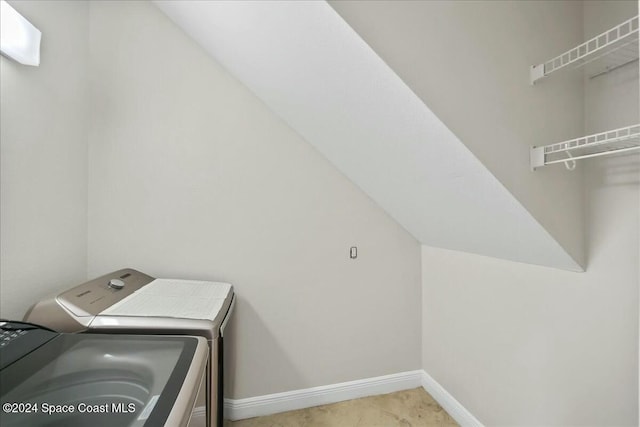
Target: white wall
{"points": [[524, 345], [469, 63], [324, 81], [43, 198], [190, 175]]}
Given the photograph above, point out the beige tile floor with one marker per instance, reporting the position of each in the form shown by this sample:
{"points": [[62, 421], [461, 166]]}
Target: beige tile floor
{"points": [[404, 408]]}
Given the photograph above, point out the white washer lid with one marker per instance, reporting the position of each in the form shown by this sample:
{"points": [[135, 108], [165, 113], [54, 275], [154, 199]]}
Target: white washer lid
{"points": [[185, 299]]}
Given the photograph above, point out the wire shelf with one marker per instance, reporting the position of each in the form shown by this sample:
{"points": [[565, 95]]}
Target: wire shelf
{"points": [[603, 53], [617, 141]]}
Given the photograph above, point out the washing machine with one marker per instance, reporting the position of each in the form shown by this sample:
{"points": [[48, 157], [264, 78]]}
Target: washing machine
{"points": [[79, 380], [128, 301]]}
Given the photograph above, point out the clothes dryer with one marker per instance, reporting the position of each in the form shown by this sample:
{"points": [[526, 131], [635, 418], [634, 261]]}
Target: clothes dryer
{"points": [[128, 301]]}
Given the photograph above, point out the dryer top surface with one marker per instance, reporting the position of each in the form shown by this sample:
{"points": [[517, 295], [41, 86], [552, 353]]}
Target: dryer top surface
{"points": [[185, 299]]}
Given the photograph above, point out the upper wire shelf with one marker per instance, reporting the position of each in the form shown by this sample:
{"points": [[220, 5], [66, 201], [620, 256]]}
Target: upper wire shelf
{"points": [[603, 53], [615, 141]]}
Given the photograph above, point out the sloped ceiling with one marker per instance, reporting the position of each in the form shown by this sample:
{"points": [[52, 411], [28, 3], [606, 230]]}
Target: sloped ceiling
{"points": [[311, 68]]}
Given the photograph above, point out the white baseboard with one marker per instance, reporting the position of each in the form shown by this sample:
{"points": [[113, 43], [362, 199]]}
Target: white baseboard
{"points": [[238, 409], [448, 402]]}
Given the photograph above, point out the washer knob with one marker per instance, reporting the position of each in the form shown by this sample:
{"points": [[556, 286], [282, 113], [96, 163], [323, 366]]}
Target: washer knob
{"points": [[116, 284]]}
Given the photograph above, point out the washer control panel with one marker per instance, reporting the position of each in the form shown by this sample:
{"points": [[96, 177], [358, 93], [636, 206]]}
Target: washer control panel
{"points": [[9, 335], [19, 339], [91, 298], [116, 284]]}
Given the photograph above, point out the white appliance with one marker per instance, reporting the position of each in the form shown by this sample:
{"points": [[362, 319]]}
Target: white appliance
{"points": [[130, 302]]}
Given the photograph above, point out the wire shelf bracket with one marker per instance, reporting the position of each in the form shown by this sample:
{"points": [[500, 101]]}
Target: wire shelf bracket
{"points": [[605, 52], [617, 141]]}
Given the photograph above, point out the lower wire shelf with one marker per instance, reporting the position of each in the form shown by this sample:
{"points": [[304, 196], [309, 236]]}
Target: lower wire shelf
{"points": [[617, 141]]}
